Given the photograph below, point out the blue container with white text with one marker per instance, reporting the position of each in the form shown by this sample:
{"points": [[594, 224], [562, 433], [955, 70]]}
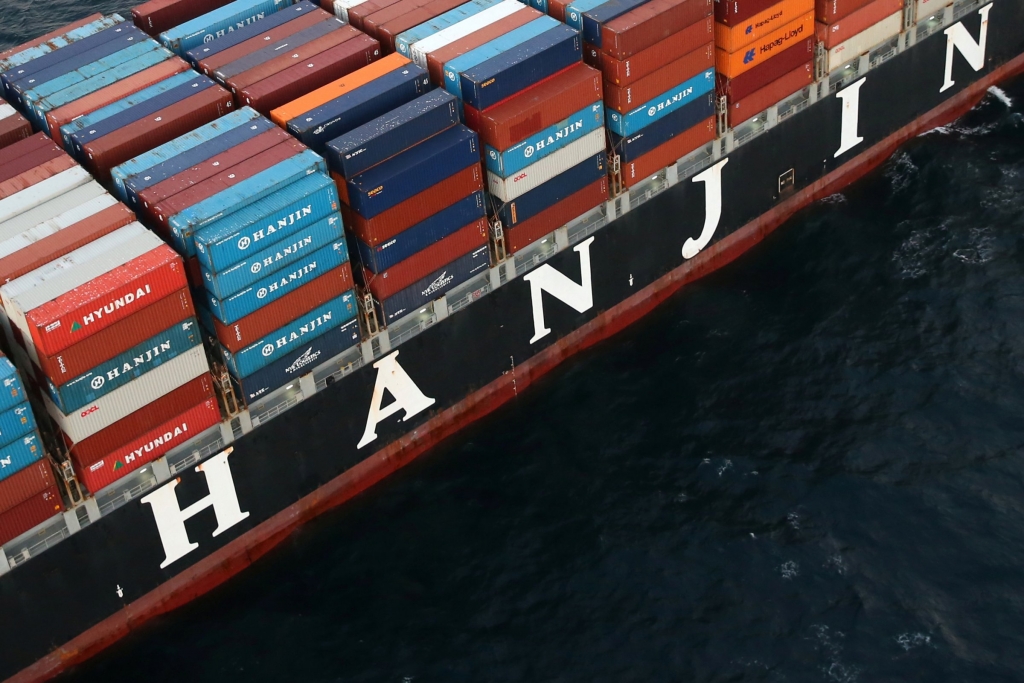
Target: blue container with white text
{"points": [[219, 22], [240, 35], [16, 422], [647, 113], [551, 139], [11, 390], [432, 286], [19, 454], [664, 129]]}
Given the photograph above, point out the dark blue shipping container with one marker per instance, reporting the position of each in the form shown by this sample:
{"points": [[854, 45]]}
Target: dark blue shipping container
{"points": [[516, 69], [343, 114], [254, 59], [661, 131], [240, 35], [392, 133], [422, 235], [299, 362], [193, 157], [413, 171], [553, 191], [593, 19], [432, 286]]}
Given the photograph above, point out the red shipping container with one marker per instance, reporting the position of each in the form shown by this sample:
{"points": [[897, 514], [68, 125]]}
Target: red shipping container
{"points": [[148, 447], [65, 241], [668, 152], [859, 20], [556, 9], [554, 217], [406, 214], [831, 11], [755, 103], [62, 116], [292, 57], [437, 59], [357, 14], [732, 12], [623, 98], [143, 420], [424, 262], [534, 109], [650, 24], [28, 155], [16, 151], [98, 304], [591, 55], [154, 130], [25, 483], [83, 356], [36, 175], [156, 16], [644, 63], [388, 31], [301, 79], [302, 21], [773, 69], [30, 513], [278, 313], [36, 42], [13, 128]]}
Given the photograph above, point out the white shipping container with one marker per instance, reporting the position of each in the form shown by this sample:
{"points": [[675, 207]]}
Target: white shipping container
{"points": [[929, 8], [863, 42], [5, 111], [125, 400], [341, 8], [507, 189], [31, 197], [446, 36], [48, 210], [55, 224]]}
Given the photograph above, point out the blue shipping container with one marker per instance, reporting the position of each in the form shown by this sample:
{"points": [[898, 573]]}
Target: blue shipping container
{"points": [[603, 13], [270, 220], [343, 114], [542, 5], [299, 361], [404, 41], [19, 454], [265, 54], [536, 147], [201, 52], [574, 12], [664, 129], [414, 170], [169, 150], [279, 255], [298, 332], [245, 193], [454, 68], [11, 391], [647, 113], [219, 22], [553, 191], [16, 422], [420, 236], [392, 133], [75, 35], [434, 285], [271, 288], [126, 366]]}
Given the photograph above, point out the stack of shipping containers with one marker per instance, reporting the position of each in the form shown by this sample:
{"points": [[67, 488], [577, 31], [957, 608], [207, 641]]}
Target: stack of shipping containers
{"points": [[13, 126], [256, 216], [849, 28]]}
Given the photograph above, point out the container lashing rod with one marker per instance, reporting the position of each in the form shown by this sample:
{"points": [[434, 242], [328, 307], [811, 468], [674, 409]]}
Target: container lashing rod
{"points": [[498, 241], [722, 115], [820, 61], [614, 174], [369, 313], [226, 390]]}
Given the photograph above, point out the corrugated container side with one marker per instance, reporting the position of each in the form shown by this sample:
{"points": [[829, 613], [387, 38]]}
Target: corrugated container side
{"points": [[11, 391], [856, 22], [420, 48], [862, 42], [575, 9], [689, 56], [52, 40], [34, 176], [374, 20], [22, 147], [453, 69], [70, 201], [25, 157], [23, 485], [623, 98], [434, 25], [667, 153], [389, 31], [254, 32], [546, 142], [288, 58], [18, 175], [507, 189], [14, 128], [156, 16], [341, 7], [732, 38], [830, 11], [532, 203], [656, 108], [436, 59], [732, 12], [663, 130], [554, 217], [358, 13], [774, 69], [43, 192], [211, 25], [16, 422], [556, 8], [594, 19], [732, 64], [755, 103], [650, 24], [19, 454], [30, 513], [433, 285]]}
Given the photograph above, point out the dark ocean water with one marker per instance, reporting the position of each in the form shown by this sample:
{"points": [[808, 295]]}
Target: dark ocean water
{"points": [[806, 467]]}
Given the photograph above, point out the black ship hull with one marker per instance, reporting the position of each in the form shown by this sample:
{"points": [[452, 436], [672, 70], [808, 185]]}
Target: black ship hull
{"points": [[111, 577]]}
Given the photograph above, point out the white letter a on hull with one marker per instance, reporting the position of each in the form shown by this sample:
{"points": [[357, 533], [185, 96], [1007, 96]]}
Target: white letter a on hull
{"points": [[408, 396], [957, 38]]}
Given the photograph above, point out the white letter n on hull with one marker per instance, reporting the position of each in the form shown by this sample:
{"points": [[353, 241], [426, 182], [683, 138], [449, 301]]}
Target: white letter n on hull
{"points": [[957, 38], [547, 279], [408, 397]]}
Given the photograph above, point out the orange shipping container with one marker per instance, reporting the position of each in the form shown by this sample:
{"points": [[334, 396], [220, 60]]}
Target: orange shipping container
{"points": [[860, 20], [732, 38], [732, 64]]}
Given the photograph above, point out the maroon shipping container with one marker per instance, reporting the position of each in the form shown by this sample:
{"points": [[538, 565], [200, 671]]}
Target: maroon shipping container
{"points": [[536, 108], [556, 9], [386, 225], [766, 72], [36, 42], [649, 24], [13, 128], [301, 79], [22, 485], [148, 322], [732, 12], [280, 312], [156, 16], [668, 152], [194, 272], [26, 154], [622, 98], [300, 22], [36, 175], [287, 51], [859, 20], [758, 101], [32, 512], [357, 14], [644, 63], [831, 11], [424, 262], [388, 31], [142, 420], [154, 130], [291, 58], [63, 242], [554, 217], [437, 59], [591, 55]]}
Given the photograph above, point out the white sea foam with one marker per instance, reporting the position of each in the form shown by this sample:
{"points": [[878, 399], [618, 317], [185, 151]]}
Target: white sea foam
{"points": [[1001, 95]]}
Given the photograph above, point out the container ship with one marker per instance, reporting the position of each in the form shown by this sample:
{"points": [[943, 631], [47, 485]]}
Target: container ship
{"points": [[369, 223]]}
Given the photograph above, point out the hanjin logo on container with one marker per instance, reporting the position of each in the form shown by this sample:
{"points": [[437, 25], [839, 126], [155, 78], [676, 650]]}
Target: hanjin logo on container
{"points": [[262, 293], [268, 350], [97, 382], [256, 267], [244, 242]]}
